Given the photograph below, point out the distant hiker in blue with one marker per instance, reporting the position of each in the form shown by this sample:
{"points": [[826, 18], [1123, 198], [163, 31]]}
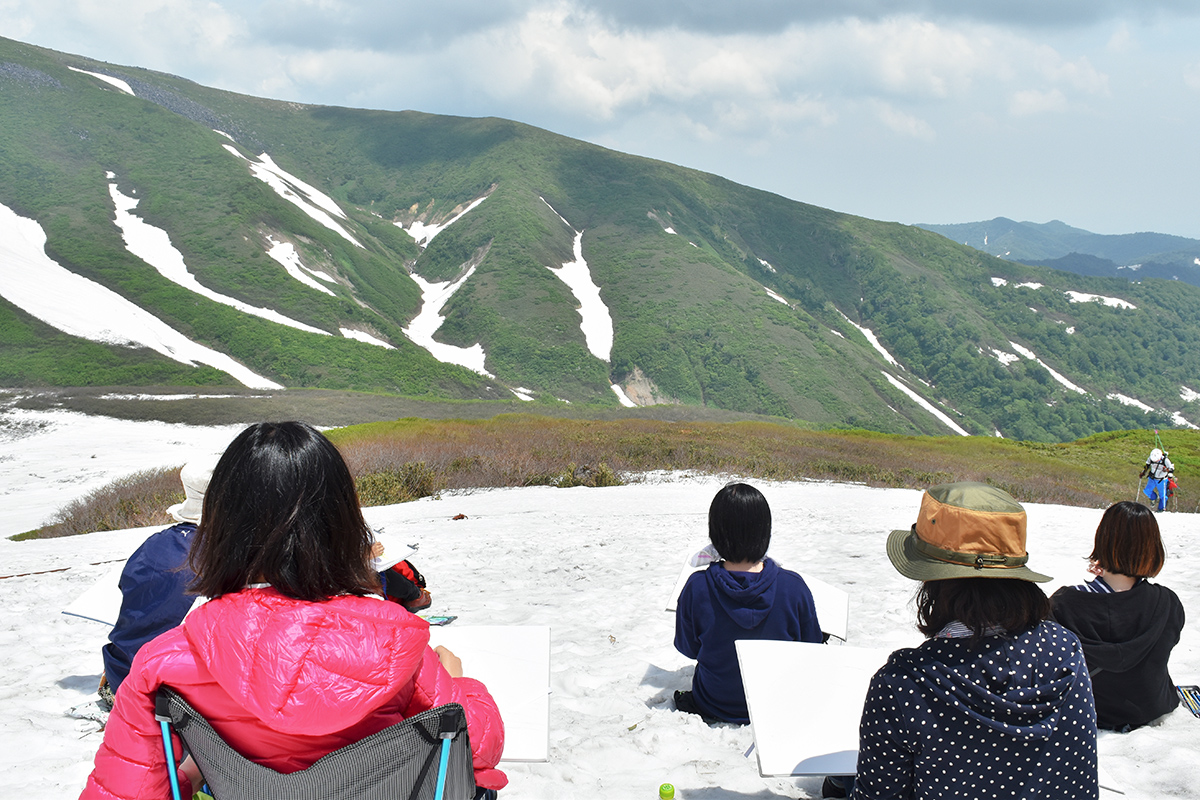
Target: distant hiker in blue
{"points": [[154, 583], [1160, 469], [744, 596]]}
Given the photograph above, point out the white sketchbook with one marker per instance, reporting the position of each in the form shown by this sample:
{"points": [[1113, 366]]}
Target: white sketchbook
{"points": [[513, 662]]}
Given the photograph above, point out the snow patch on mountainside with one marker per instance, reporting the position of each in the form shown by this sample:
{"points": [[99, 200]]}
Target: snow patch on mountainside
{"points": [[925, 404], [594, 318], [109, 79], [33, 282], [307, 198], [363, 336], [1187, 394], [1176, 417], [622, 397], [153, 246], [767, 266], [434, 297], [776, 296], [1003, 357], [285, 253], [423, 233], [522, 393], [1111, 302], [1129, 401], [1179, 421], [1057, 376], [874, 342]]}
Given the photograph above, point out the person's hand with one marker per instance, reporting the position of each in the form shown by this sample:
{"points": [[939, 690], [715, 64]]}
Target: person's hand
{"points": [[188, 767], [451, 662]]}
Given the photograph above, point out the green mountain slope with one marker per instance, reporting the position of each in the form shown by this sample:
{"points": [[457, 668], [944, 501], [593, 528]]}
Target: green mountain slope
{"points": [[719, 294]]}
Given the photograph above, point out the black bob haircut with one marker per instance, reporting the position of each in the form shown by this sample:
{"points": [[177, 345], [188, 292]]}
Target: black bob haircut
{"points": [[281, 509], [739, 523], [981, 603]]}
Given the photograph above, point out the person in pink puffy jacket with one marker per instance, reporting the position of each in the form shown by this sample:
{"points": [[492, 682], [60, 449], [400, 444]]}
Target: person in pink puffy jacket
{"points": [[295, 655]]}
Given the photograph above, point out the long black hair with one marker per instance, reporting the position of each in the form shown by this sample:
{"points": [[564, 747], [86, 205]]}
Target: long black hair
{"points": [[281, 509]]}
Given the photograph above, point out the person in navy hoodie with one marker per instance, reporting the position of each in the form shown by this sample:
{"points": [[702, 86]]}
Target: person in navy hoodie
{"points": [[154, 582], [744, 596], [997, 703]]}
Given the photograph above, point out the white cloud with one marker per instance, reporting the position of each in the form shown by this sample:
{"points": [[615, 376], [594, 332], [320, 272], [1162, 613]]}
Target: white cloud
{"points": [[1121, 40], [1036, 101], [903, 123], [1191, 76]]}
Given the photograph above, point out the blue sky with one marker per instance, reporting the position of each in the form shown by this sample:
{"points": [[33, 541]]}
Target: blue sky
{"points": [[1087, 111]]}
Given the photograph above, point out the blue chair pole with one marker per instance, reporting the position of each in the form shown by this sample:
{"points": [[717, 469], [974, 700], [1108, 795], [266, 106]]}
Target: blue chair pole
{"points": [[169, 751], [442, 764]]}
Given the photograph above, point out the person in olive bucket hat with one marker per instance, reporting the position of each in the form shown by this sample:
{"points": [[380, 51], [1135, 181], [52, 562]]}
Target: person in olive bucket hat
{"points": [[997, 702]]}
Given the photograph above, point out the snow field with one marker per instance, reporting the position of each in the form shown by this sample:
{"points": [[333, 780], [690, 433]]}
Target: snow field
{"points": [[597, 565]]}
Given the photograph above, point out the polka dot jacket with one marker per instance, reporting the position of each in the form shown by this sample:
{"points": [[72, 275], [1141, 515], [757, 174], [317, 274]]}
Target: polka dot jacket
{"points": [[1012, 718]]}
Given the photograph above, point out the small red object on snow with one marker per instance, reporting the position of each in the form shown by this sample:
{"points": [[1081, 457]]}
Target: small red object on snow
{"points": [[459, 516]]}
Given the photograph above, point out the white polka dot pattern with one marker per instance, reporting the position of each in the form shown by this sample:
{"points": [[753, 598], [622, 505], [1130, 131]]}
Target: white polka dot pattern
{"points": [[1013, 718]]}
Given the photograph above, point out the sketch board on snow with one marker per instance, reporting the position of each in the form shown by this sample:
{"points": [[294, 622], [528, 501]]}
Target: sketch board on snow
{"points": [[832, 604], [790, 681], [513, 662], [102, 600]]}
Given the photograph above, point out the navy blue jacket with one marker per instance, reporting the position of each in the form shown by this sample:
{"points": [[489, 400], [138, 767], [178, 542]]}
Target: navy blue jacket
{"points": [[718, 607], [1012, 718], [154, 597]]}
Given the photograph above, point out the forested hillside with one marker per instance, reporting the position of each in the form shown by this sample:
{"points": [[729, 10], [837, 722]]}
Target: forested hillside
{"points": [[454, 258]]}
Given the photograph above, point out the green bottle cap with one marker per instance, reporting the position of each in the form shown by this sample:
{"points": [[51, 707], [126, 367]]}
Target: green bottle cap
{"points": [[666, 792]]}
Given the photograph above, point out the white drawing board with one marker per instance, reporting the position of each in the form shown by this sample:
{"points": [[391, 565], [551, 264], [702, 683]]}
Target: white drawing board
{"points": [[513, 662], [102, 600], [805, 704], [806, 701], [833, 605]]}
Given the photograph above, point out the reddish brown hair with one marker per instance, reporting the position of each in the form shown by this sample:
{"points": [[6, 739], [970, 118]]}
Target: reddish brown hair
{"points": [[1128, 541]]}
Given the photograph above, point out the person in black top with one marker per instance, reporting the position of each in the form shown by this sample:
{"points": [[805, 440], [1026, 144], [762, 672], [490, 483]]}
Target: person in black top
{"points": [[1127, 625]]}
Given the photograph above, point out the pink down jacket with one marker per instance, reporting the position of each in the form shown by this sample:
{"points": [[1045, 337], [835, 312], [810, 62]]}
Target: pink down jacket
{"points": [[285, 682]]}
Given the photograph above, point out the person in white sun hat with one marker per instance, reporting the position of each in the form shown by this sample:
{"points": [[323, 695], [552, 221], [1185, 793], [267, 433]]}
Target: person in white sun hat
{"points": [[154, 582]]}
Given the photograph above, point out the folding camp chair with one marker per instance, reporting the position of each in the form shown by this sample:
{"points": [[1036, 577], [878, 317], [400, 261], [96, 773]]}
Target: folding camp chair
{"points": [[426, 757]]}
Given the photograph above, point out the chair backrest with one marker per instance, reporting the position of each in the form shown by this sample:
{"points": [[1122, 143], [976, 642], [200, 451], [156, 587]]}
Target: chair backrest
{"points": [[397, 763]]}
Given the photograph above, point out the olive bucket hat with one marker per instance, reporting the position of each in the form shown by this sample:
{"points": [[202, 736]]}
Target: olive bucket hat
{"points": [[964, 530]]}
